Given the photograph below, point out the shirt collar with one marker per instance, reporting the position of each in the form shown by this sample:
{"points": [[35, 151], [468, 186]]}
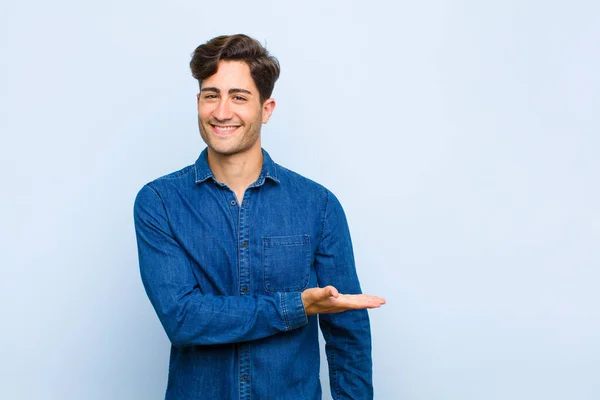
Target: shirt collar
{"points": [[268, 170]]}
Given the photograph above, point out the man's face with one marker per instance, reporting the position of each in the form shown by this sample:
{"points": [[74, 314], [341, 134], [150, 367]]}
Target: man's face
{"points": [[230, 114]]}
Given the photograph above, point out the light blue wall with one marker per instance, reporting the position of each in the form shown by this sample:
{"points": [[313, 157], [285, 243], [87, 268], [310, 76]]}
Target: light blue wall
{"points": [[461, 137]]}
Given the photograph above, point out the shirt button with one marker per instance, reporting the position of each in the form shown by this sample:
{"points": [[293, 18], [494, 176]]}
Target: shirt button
{"points": [[244, 289], [245, 244], [233, 202], [244, 378]]}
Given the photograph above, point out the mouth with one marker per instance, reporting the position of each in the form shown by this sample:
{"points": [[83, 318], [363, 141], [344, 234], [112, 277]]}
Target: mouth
{"points": [[224, 129]]}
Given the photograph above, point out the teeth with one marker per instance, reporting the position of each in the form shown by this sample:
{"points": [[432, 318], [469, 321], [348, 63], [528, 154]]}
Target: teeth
{"points": [[225, 128]]}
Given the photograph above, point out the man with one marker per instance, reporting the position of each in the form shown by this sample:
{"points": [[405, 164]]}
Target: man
{"points": [[239, 255]]}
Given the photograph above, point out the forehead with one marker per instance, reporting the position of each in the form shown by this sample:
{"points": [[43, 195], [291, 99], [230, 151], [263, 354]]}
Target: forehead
{"points": [[231, 74]]}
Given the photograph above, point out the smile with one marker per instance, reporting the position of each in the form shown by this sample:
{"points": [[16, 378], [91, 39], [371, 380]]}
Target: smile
{"points": [[224, 129]]}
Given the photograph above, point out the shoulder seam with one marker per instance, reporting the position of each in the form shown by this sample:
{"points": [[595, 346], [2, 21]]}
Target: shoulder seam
{"points": [[324, 216], [162, 202], [151, 187]]}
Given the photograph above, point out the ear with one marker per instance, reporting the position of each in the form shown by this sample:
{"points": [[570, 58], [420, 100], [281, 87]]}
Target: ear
{"points": [[267, 110], [198, 99]]}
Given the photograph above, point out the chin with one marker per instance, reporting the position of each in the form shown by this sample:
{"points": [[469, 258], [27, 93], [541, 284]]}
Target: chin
{"points": [[227, 150]]}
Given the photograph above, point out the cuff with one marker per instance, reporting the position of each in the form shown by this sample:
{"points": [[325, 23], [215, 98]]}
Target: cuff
{"points": [[293, 310]]}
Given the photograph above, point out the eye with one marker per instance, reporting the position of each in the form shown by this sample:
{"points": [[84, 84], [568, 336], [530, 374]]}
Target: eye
{"points": [[239, 98], [210, 96]]}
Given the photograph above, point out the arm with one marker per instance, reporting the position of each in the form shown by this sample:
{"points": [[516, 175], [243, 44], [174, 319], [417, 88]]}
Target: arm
{"points": [[188, 316], [347, 334]]}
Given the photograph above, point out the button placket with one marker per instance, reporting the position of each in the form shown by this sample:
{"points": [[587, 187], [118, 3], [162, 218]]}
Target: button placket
{"points": [[244, 289]]}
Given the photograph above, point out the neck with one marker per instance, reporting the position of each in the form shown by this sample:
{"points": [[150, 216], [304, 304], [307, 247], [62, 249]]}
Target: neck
{"points": [[237, 171]]}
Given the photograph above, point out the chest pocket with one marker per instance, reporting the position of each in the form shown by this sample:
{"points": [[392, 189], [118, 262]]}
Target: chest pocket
{"points": [[286, 262]]}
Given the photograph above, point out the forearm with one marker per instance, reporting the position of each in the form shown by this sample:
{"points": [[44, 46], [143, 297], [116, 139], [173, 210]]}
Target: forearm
{"points": [[199, 319], [348, 349]]}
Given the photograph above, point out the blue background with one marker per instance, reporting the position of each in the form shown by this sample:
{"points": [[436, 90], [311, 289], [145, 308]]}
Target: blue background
{"points": [[461, 137]]}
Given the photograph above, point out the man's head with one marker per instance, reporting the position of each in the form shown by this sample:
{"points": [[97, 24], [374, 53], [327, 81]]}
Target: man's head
{"points": [[264, 68], [236, 76]]}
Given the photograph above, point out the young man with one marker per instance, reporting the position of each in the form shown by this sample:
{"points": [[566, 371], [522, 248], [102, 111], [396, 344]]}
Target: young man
{"points": [[239, 255]]}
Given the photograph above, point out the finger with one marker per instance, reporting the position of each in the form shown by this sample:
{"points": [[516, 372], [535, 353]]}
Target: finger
{"points": [[371, 302], [358, 301], [377, 300]]}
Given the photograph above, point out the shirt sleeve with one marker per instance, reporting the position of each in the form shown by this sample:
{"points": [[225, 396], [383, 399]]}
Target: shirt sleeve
{"points": [[188, 316], [347, 334]]}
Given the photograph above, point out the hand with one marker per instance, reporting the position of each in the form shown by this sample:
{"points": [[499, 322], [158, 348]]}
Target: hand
{"points": [[328, 300]]}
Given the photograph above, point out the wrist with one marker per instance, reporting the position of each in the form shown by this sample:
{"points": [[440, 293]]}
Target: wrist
{"points": [[306, 302]]}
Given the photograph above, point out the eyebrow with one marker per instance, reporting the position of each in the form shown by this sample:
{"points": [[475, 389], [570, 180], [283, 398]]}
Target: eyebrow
{"points": [[231, 91]]}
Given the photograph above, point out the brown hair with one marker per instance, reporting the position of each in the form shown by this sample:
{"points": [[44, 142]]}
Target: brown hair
{"points": [[264, 68]]}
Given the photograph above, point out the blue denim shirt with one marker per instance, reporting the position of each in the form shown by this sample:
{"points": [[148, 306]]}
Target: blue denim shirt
{"points": [[225, 280]]}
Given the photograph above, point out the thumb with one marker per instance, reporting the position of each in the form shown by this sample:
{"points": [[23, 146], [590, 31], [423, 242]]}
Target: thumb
{"points": [[332, 292]]}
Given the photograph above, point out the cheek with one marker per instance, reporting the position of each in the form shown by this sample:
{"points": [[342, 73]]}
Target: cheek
{"points": [[204, 113]]}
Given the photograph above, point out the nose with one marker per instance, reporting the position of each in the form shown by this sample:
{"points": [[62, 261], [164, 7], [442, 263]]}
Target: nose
{"points": [[222, 112]]}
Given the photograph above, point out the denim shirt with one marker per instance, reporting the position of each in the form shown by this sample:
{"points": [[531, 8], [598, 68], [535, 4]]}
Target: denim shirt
{"points": [[225, 280]]}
